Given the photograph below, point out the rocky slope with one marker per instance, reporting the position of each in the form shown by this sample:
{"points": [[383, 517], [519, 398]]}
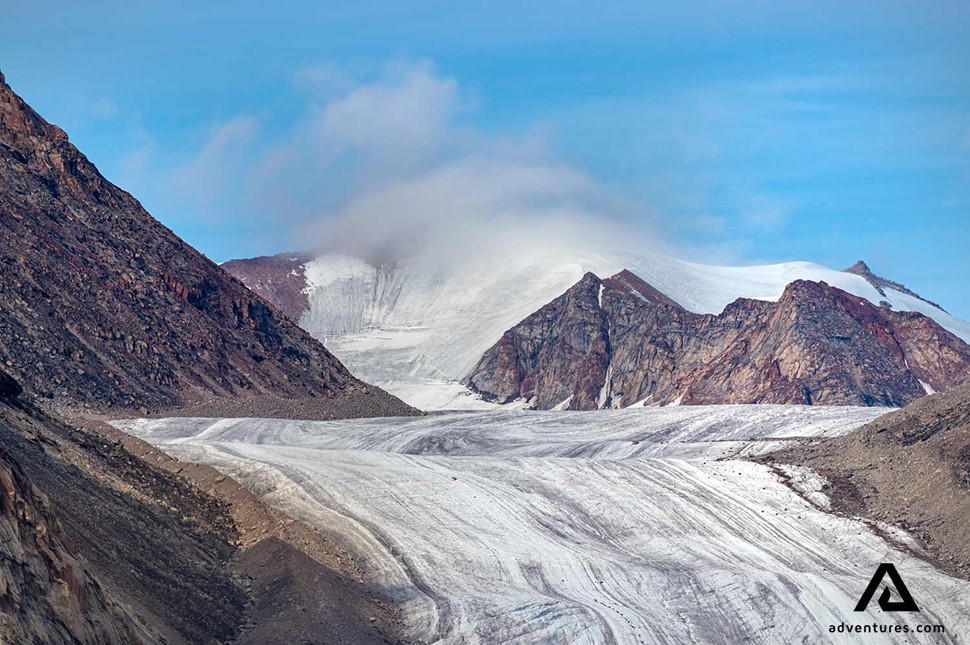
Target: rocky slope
{"points": [[157, 545], [617, 342], [101, 305], [910, 468], [105, 311], [280, 279], [103, 541], [47, 591]]}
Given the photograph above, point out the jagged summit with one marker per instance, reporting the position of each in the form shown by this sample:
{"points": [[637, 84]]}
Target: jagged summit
{"points": [[602, 344], [880, 284]]}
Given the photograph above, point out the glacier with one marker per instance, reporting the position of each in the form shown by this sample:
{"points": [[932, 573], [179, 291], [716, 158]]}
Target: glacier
{"points": [[615, 526]]}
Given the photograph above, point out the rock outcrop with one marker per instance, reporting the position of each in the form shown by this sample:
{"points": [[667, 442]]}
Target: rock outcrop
{"points": [[910, 468], [617, 342], [103, 306], [103, 547], [47, 594], [880, 284], [47, 591], [280, 279]]}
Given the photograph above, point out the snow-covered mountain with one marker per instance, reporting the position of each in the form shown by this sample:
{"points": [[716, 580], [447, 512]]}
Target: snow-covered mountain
{"points": [[417, 328]]}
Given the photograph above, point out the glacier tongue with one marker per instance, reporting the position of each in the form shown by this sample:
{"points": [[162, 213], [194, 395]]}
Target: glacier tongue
{"points": [[599, 527]]}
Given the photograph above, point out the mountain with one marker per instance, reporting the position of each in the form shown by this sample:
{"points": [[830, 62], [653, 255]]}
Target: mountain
{"points": [[418, 327], [910, 468], [615, 343], [102, 306], [48, 592], [101, 547]]}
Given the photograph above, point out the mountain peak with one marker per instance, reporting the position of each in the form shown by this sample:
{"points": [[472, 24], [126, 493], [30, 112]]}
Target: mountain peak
{"points": [[880, 284], [807, 348], [634, 285]]}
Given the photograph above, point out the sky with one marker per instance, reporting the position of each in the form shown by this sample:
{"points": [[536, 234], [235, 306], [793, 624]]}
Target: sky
{"points": [[741, 132]]}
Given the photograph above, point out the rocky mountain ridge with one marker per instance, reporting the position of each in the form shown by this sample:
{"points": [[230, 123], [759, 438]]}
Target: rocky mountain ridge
{"points": [[880, 284], [102, 306], [603, 344], [104, 311]]}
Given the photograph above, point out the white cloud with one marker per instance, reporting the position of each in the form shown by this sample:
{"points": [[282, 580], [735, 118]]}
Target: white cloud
{"points": [[385, 168], [409, 112], [475, 205], [209, 176], [764, 213]]}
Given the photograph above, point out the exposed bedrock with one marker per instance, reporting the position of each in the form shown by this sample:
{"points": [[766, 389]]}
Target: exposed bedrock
{"points": [[616, 342]]}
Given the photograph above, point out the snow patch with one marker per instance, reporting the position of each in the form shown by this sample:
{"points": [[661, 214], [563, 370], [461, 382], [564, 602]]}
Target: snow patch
{"points": [[564, 404]]}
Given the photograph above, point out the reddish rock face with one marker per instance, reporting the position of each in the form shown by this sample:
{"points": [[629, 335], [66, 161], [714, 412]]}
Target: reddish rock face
{"points": [[816, 345], [102, 305], [280, 279], [48, 593]]}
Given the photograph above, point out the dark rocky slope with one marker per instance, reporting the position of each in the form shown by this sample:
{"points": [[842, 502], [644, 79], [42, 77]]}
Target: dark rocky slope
{"points": [[104, 540], [47, 591], [910, 468], [160, 547], [102, 309], [617, 342], [101, 305]]}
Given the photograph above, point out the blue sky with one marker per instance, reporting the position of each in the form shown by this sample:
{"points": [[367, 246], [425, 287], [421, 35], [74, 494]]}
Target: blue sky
{"points": [[736, 132]]}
